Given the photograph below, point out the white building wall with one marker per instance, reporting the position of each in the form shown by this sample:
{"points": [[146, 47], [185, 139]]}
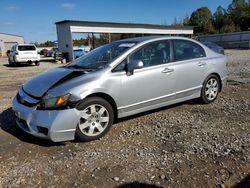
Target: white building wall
{"points": [[7, 41]]}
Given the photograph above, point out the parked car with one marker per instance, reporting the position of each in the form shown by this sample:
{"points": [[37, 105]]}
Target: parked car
{"points": [[52, 52], [82, 99], [23, 53], [215, 47], [78, 53], [44, 52]]}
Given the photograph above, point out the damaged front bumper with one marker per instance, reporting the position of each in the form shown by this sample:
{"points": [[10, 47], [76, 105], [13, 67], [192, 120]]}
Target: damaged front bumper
{"points": [[55, 125]]}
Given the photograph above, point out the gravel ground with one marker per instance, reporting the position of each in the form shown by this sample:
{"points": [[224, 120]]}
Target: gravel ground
{"points": [[185, 145]]}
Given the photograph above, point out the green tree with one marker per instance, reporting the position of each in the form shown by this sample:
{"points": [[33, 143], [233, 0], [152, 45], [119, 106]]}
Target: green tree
{"points": [[244, 18], [238, 11], [220, 18], [186, 20], [202, 20], [236, 4]]}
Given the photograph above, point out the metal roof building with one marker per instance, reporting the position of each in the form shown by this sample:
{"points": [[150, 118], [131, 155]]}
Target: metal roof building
{"points": [[7, 41], [65, 29]]}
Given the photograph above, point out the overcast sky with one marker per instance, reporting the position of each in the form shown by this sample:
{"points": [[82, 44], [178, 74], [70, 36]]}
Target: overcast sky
{"points": [[35, 19]]}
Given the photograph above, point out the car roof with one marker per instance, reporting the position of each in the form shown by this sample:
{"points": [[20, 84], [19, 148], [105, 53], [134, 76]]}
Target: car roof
{"points": [[26, 45], [148, 38]]}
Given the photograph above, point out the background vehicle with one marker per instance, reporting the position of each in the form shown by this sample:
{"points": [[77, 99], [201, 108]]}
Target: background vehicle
{"points": [[116, 80], [52, 52], [23, 53], [44, 52], [78, 53], [215, 47]]}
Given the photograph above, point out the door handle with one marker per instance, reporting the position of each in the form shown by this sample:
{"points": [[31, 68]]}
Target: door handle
{"points": [[200, 64], [167, 70]]}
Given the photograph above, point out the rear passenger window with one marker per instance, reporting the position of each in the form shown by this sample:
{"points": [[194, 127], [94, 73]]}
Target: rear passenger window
{"points": [[155, 53], [184, 50]]}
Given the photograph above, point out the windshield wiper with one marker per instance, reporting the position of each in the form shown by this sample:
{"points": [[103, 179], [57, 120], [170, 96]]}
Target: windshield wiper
{"points": [[75, 66], [80, 68]]}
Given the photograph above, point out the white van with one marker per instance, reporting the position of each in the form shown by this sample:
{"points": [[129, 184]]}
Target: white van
{"points": [[24, 53]]}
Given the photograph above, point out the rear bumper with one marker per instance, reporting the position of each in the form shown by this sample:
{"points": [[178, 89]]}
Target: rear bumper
{"points": [[55, 125], [26, 59]]}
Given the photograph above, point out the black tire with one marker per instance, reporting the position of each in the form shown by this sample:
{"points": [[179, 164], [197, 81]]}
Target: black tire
{"points": [[80, 135], [9, 61], [14, 64], [37, 63], [206, 97]]}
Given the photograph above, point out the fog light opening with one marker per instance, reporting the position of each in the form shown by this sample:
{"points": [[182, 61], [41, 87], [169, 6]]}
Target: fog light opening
{"points": [[42, 130]]}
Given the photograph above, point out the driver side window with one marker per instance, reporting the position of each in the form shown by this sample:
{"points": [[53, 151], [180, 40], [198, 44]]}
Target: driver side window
{"points": [[155, 53]]}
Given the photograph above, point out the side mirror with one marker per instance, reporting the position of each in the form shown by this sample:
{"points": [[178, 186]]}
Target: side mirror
{"points": [[134, 64]]}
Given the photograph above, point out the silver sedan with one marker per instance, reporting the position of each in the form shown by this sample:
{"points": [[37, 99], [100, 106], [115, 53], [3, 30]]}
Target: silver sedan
{"points": [[82, 99]]}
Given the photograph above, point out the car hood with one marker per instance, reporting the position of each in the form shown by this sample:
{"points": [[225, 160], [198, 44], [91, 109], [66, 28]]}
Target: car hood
{"points": [[39, 85]]}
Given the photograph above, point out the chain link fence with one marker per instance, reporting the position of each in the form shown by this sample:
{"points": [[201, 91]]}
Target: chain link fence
{"points": [[229, 40]]}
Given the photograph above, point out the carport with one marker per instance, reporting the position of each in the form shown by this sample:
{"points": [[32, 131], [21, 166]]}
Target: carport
{"points": [[65, 29]]}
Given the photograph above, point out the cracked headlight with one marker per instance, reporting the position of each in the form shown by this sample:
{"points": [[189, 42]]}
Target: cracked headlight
{"points": [[54, 102]]}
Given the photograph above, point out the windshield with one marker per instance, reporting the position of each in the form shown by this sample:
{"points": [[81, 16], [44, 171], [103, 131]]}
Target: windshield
{"points": [[102, 56]]}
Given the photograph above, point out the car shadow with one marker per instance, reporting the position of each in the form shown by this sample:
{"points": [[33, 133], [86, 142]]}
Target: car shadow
{"points": [[19, 65], [8, 124], [48, 60], [245, 183], [138, 185]]}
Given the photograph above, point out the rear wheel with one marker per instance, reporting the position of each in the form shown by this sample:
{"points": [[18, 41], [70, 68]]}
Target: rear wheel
{"points": [[96, 119], [30, 62], [210, 89], [13, 63], [37, 63]]}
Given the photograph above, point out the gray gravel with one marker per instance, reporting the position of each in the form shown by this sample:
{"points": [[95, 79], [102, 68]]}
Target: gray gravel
{"points": [[185, 145]]}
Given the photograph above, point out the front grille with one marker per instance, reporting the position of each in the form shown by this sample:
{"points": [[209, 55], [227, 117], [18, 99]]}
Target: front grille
{"points": [[26, 99], [24, 102]]}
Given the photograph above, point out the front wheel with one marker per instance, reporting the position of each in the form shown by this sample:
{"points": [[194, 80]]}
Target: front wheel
{"points": [[9, 61], [210, 89], [96, 119]]}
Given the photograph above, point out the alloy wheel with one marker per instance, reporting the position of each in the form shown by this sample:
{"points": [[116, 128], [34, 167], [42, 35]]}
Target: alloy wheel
{"points": [[211, 89], [94, 120]]}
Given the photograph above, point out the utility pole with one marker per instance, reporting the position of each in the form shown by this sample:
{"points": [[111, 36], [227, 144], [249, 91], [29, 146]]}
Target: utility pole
{"points": [[109, 38], [93, 41]]}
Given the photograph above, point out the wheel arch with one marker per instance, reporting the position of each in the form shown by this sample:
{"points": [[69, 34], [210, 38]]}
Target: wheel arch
{"points": [[218, 76], [220, 81], [108, 98]]}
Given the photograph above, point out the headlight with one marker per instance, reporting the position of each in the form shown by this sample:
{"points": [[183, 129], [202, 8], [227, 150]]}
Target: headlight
{"points": [[55, 102]]}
